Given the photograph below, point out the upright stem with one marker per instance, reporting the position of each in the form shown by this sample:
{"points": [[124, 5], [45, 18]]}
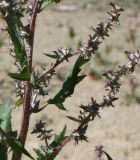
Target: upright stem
{"points": [[25, 121], [26, 115], [28, 88], [32, 31]]}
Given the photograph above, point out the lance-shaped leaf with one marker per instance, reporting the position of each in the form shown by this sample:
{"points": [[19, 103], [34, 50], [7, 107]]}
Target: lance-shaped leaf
{"points": [[17, 146], [5, 116], [15, 35], [54, 56], [74, 119], [60, 106], [57, 142], [58, 138], [23, 76], [68, 86], [49, 153], [40, 154], [19, 102], [5, 125], [107, 155]]}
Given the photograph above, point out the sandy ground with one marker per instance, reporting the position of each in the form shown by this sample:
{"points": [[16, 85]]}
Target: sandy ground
{"points": [[118, 130]]}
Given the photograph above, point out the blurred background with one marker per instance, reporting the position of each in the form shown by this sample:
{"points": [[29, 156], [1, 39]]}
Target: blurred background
{"points": [[68, 25]]}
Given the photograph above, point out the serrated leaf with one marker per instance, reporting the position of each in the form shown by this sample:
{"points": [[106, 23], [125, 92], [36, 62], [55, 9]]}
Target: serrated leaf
{"points": [[5, 116], [80, 78], [73, 119], [107, 155], [14, 32], [68, 86], [23, 76], [17, 145], [52, 56]]}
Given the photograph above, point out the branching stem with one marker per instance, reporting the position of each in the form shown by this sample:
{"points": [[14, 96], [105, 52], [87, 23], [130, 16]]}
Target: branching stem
{"points": [[28, 88]]}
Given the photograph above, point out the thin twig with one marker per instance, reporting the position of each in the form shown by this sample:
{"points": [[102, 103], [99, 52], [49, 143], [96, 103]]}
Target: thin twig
{"points": [[53, 66], [49, 71]]}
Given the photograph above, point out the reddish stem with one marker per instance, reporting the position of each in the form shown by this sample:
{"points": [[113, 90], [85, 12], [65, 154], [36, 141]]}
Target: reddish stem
{"points": [[28, 88], [53, 66], [26, 115], [32, 31], [49, 71], [68, 139], [25, 121]]}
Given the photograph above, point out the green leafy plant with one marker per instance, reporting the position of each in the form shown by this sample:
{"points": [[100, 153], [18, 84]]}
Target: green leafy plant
{"points": [[31, 84]]}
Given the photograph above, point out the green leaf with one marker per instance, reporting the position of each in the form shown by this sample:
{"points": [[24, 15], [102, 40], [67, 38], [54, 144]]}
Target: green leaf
{"points": [[56, 1], [3, 151], [19, 102], [45, 3], [74, 119], [68, 86], [5, 125], [14, 143], [80, 78], [43, 154], [17, 145], [107, 155], [5, 116], [14, 32], [52, 56], [57, 141], [59, 138], [23, 76], [60, 106]]}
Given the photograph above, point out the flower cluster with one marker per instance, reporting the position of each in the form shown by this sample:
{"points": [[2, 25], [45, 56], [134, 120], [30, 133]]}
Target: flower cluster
{"points": [[113, 77], [91, 110], [101, 31], [99, 152]]}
